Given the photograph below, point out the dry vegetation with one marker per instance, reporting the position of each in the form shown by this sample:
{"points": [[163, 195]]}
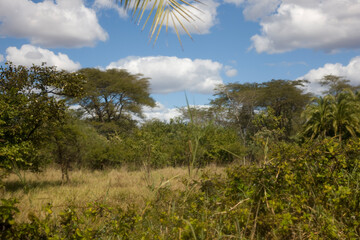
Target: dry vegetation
{"points": [[116, 187], [299, 178]]}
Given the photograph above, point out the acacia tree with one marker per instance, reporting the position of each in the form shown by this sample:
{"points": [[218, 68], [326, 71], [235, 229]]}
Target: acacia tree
{"points": [[113, 95], [241, 102], [236, 105], [31, 98], [287, 99], [336, 84]]}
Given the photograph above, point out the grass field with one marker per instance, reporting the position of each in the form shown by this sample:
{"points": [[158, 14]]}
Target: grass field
{"points": [[117, 187], [241, 202]]}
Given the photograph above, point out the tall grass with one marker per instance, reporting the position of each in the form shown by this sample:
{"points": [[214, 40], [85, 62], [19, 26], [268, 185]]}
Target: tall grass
{"points": [[116, 187]]}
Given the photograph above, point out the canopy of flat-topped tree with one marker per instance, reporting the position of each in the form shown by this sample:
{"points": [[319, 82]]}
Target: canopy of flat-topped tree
{"points": [[242, 101], [114, 94], [336, 84]]}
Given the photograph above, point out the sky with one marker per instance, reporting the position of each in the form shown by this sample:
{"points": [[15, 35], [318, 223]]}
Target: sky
{"points": [[232, 41]]}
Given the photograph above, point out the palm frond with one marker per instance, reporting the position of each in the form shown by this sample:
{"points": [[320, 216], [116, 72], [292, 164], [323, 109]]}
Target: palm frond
{"points": [[179, 11]]}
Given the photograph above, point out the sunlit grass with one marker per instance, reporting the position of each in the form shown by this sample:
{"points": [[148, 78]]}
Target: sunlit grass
{"points": [[116, 187]]}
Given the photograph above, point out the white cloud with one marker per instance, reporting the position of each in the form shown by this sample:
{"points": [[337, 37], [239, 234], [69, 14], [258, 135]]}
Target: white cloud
{"points": [[230, 72], [161, 112], [202, 21], [165, 114], [256, 9], [326, 25], [64, 23], [110, 4], [350, 72], [172, 74], [28, 55], [1, 58], [236, 2]]}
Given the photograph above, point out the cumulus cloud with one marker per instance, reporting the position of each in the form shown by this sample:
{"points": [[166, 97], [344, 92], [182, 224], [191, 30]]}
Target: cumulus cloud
{"points": [[204, 18], [350, 72], [256, 9], [230, 72], [328, 25], [1, 58], [28, 55], [63, 23], [110, 4], [172, 74], [161, 112]]}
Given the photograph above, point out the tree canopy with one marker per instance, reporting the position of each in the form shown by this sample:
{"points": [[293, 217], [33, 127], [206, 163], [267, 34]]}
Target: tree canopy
{"points": [[333, 116], [336, 84], [31, 98], [240, 102], [113, 95]]}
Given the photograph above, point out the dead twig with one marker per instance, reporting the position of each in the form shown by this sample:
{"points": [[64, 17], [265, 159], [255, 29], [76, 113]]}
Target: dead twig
{"points": [[233, 207]]}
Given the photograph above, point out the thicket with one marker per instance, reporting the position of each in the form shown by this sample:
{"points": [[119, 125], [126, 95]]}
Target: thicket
{"points": [[308, 191]]}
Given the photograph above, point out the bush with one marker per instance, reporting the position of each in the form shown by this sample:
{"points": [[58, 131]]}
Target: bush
{"points": [[309, 191]]}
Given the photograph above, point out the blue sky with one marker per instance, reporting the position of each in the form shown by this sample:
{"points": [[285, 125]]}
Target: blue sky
{"points": [[235, 41]]}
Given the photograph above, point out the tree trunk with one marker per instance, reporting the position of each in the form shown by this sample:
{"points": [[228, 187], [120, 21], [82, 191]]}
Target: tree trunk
{"points": [[64, 163]]}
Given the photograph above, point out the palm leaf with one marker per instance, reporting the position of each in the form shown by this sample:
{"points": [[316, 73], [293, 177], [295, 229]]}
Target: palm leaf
{"points": [[161, 10]]}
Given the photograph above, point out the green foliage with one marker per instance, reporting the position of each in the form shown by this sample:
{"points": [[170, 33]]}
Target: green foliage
{"points": [[154, 144], [220, 145], [317, 117], [76, 143], [333, 116], [303, 192], [287, 99], [237, 104], [114, 95], [95, 150], [308, 191], [336, 84], [7, 212], [95, 221], [158, 144], [31, 99], [268, 133]]}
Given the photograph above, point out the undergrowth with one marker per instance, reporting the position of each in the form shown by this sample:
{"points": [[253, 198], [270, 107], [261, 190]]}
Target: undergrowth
{"points": [[302, 192]]}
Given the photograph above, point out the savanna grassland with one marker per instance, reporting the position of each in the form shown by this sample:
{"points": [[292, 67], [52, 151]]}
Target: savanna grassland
{"points": [[262, 161], [116, 187]]}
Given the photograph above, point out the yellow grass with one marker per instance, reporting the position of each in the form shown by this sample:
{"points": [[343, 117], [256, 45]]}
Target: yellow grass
{"points": [[114, 187]]}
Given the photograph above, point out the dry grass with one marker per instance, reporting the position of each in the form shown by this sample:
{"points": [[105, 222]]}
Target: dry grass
{"points": [[115, 187]]}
